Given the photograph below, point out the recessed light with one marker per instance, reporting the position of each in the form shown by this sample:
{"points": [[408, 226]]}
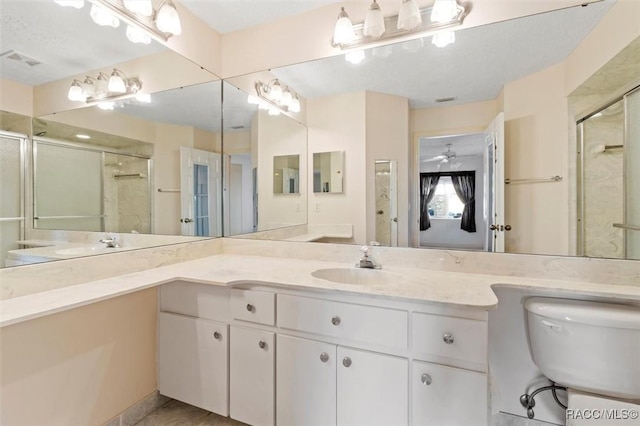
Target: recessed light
{"points": [[81, 136]]}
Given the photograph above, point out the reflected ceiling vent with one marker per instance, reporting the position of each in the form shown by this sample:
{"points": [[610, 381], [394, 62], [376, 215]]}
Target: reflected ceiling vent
{"points": [[453, 98], [237, 127], [21, 57]]}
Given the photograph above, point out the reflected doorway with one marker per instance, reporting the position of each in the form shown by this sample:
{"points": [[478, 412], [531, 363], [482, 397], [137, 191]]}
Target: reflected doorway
{"points": [[386, 202]]}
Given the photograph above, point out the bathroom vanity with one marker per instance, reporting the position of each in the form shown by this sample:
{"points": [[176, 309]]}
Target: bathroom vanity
{"points": [[271, 355]]}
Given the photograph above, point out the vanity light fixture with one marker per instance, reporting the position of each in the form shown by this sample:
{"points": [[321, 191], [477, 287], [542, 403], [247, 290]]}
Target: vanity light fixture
{"points": [[143, 98], [82, 136], [107, 105], [143, 21], [275, 96], [411, 21], [118, 86]]}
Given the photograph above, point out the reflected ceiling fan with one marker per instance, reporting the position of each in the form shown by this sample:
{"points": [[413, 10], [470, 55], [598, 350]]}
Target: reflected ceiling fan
{"points": [[443, 158]]}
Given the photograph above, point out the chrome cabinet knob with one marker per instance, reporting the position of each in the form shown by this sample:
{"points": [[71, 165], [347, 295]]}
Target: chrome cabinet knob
{"points": [[346, 362], [250, 307], [425, 379], [324, 357], [335, 320], [447, 338], [217, 335], [262, 344]]}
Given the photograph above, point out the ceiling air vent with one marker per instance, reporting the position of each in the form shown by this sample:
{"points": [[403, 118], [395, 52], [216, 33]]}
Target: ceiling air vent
{"points": [[453, 98], [237, 127], [21, 57]]}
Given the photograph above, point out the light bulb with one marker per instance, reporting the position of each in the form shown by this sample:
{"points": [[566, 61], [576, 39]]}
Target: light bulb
{"points": [[355, 56], [102, 84], [253, 100], [75, 92], [168, 20], [295, 105], [444, 39], [409, 16], [374, 21], [88, 89], [274, 111], [343, 32], [141, 7], [144, 98], [286, 98], [103, 17], [444, 10], [137, 35], [275, 91], [116, 83], [78, 4]]}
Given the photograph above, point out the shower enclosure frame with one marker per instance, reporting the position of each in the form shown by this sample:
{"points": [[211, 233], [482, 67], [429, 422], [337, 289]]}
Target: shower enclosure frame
{"points": [[22, 185], [580, 211]]}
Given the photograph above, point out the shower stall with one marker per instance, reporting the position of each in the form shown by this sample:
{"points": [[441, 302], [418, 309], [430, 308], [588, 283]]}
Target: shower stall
{"points": [[609, 180]]}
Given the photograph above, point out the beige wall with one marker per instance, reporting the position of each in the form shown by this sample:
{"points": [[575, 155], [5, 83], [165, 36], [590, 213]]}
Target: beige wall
{"points": [[536, 141], [16, 97], [452, 120], [280, 135], [337, 123], [387, 138], [79, 367]]}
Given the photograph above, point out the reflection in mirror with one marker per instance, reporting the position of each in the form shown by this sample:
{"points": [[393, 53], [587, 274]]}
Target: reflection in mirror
{"points": [[286, 174], [258, 148], [386, 183], [328, 171], [519, 82]]}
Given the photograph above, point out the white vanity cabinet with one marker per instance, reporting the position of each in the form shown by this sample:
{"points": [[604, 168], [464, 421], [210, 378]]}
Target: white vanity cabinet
{"points": [[309, 358], [324, 384]]}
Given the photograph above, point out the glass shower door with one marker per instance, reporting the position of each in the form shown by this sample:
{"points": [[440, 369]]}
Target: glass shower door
{"points": [[632, 171]]}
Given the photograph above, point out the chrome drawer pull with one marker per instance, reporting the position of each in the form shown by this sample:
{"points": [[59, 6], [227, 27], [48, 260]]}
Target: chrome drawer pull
{"points": [[346, 362], [217, 335], [426, 379], [250, 307], [335, 320], [262, 344], [324, 357], [447, 338]]}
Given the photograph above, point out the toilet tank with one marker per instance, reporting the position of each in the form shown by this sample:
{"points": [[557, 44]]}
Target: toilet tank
{"points": [[589, 346]]}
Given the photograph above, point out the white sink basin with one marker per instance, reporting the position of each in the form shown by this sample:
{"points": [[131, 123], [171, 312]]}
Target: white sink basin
{"points": [[358, 276], [86, 251]]}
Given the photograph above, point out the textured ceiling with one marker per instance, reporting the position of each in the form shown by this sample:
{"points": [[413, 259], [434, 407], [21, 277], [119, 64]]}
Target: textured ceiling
{"points": [[226, 16], [475, 68], [64, 39]]}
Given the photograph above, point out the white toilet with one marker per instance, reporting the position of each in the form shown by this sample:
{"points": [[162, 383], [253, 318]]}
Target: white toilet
{"points": [[593, 349]]}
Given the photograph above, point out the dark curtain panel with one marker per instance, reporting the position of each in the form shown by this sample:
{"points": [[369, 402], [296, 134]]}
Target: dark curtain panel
{"points": [[464, 184], [428, 183]]}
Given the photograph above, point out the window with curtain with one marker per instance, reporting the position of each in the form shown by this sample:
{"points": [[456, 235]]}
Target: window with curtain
{"points": [[448, 194]]}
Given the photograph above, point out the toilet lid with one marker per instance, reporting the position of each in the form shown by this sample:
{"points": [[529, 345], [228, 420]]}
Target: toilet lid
{"points": [[586, 312]]}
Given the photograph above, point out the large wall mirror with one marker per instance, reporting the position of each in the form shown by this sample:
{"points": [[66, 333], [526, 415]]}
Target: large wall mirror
{"points": [[145, 170], [488, 115]]}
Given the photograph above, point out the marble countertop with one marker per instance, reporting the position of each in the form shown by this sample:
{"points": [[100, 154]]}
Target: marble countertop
{"points": [[419, 285], [46, 250]]}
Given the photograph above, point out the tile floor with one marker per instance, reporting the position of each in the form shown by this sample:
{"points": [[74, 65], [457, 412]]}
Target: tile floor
{"points": [[176, 413]]}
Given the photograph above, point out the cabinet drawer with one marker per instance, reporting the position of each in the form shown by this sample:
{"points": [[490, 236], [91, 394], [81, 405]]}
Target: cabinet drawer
{"points": [[254, 306], [195, 300], [453, 339], [447, 396], [366, 324]]}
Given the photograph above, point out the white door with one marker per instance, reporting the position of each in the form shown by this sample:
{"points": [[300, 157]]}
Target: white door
{"points": [[393, 202], [494, 184], [372, 389], [252, 376], [201, 201], [235, 200], [305, 382], [193, 361], [437, 393]]}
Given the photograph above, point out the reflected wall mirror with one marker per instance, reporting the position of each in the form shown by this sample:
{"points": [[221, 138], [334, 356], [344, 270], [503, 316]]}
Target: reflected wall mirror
{"points": [[328, 172], [286, 174], [514, 96], [147, 168]]}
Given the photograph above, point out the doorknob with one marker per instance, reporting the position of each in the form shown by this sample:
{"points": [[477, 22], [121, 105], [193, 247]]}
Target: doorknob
{"points": [[507, 227], [494, 227], [186, 220], [395, 219]]}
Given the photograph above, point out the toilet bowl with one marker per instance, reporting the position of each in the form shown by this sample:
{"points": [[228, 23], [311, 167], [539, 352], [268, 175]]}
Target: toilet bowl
{"points": [[593, 349]]}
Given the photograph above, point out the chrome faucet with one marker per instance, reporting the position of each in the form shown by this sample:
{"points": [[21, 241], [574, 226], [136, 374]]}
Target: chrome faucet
{"points": [[367, 260], [110, 241]]}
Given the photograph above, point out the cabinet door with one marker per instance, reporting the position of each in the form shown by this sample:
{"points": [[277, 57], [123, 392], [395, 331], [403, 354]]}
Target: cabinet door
{"points": [[252, 376], [305, 382], [447, 396], [372, 388], [193, 361]]}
